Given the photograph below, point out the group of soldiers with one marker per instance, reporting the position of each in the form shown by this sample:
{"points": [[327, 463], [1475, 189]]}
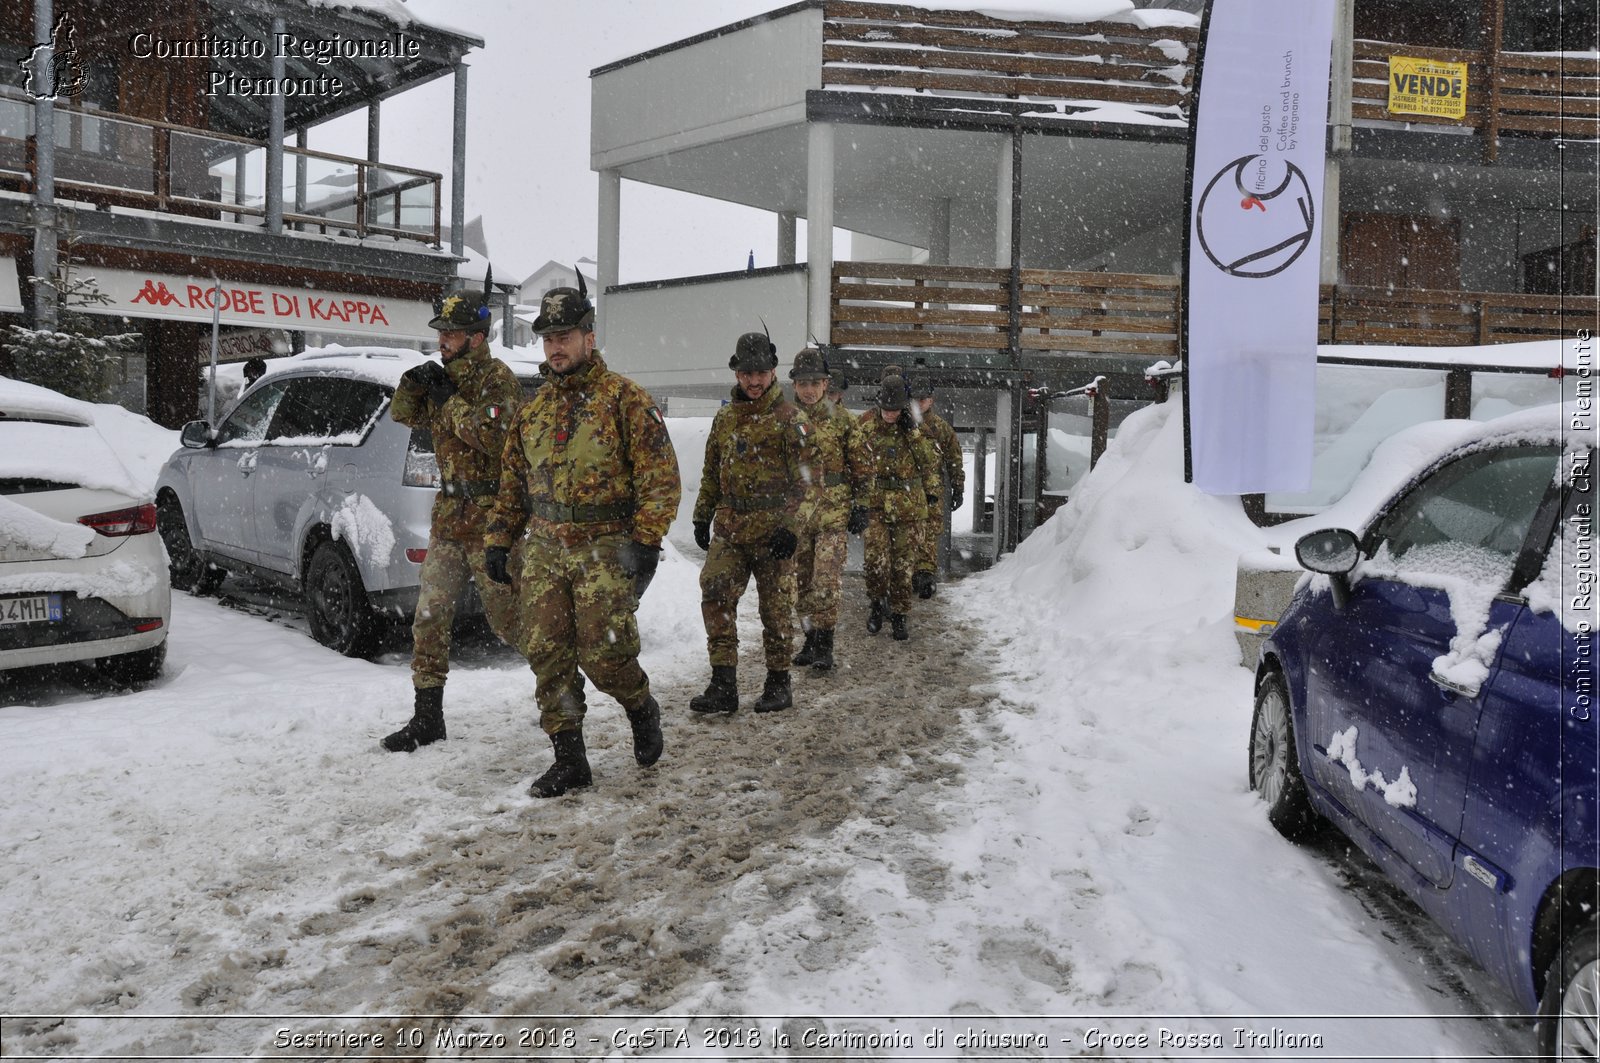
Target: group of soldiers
{"points": [[556, 506]]}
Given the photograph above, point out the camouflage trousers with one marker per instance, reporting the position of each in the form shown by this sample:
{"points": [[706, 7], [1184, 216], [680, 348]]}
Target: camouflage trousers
{"points": [[723, 581], [445, 571], [818, 574], [578, 613], [891, 555], [928, 552]]}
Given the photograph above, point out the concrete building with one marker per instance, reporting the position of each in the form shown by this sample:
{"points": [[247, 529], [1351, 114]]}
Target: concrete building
{"points": [[1032, 174]]}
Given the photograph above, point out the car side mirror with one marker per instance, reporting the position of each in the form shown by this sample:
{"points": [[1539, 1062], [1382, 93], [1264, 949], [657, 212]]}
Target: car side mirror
{"points": [[1334, 553], [195, 435]]}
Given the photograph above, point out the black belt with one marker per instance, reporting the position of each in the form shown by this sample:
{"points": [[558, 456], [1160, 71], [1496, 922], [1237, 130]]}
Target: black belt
{"points": [[469, 488], [895, 481], [752, 503], [834, 479], [553, 511]]}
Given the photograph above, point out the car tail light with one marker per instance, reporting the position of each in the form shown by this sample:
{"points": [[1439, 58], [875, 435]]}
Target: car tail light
{"points": [[133, 521], [152, 624], [416, 556]]}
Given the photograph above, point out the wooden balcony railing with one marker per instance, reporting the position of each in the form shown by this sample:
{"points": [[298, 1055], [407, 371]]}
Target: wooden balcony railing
{"points": [[1074, 67], [894, 47], [1511, 93], [967, 309]]}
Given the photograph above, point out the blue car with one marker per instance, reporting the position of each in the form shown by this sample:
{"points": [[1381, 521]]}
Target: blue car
{"points": [[1430, 692]]}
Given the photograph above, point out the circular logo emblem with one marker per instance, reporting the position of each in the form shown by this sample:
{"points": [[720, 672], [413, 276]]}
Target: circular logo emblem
{"points": [[1249, 233]]}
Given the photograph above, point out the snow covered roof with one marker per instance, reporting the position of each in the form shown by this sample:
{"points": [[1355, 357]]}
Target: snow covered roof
{"points": [[46, 435]]}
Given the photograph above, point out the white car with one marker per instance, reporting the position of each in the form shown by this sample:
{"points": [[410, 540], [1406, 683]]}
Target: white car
{"points": [[82, 572]]}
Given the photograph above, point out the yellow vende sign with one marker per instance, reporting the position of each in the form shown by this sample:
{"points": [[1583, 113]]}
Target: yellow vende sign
{"points": [[1427, 86]]}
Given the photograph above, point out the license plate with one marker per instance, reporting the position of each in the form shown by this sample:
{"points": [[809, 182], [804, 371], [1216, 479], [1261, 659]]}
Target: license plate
{"points": [[30, 609]]}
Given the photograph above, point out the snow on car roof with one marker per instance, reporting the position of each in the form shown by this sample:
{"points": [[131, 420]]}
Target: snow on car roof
{"points": [[35, 444], [1402, 457], [384, 365]]}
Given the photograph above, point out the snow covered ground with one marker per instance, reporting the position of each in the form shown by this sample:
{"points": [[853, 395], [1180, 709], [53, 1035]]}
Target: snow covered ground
{"points": [[1032, 819]]}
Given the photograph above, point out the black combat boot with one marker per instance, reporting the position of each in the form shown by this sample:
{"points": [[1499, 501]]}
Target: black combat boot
{"points": [[723, 693], [426, 726], [808, 652], [775, 694], [922, 583], [822, 659], [898, 622], [646, 724], [570, 769], [880, 609]]}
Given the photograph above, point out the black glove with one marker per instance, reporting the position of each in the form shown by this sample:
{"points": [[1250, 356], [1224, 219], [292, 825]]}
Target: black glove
{"points": [[955, 502], [432, 378], [442, 388], [933, 500], [858, 520], [638, 562], [495, 559], [781, 544], [702, 534]]}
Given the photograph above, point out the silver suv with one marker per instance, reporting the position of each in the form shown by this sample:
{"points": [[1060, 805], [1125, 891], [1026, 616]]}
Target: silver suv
{"points": [[307, 483]]}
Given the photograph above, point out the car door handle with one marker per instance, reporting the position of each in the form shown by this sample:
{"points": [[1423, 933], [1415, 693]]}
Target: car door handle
{"points": [[1449, 686]]}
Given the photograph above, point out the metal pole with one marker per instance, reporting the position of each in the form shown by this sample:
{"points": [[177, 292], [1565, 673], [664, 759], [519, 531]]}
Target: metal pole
{"points": [[458, 166], [1340, 105], [216, 327], [1013, 516], [45, 295], [275, 138]]}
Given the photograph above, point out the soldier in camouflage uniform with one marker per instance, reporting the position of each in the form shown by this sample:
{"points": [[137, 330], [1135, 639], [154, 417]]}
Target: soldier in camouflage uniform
{"points": [[589, 484], [837, 386], [819, 559], [465, 403], [896, 486], [948, 448], [753, 485]]}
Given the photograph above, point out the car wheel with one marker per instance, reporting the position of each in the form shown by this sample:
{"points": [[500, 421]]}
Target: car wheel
{"points": [[1569, 1011], [336, 602], [189, 569], [1275, 765], [140, 666]]}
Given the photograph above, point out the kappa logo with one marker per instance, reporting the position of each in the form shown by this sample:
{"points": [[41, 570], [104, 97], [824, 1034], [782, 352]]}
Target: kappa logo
{"points": [[1276, 224], [156, 293]]}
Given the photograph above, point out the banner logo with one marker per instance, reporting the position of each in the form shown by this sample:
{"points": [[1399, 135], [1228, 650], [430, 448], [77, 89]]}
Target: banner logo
{"points": [[1248, 230], [64, 75]]}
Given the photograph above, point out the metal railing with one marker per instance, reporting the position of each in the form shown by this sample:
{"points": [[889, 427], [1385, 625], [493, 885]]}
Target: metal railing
{"points": [[116, 160]]}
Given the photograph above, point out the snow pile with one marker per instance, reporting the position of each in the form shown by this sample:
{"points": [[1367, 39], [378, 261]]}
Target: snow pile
{"points": [[77, 449], [119, 579], [365, 529], [31, 530]]}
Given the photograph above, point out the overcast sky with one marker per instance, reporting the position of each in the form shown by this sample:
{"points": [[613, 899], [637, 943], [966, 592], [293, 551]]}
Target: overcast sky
{"points": [[528, 135]]}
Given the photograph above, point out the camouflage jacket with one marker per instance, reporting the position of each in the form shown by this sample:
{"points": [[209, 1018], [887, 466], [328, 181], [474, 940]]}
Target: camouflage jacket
{"points": [[895, 468], [587, 456], [827, 475], [469, 431], [754, 477], [948, 447]]}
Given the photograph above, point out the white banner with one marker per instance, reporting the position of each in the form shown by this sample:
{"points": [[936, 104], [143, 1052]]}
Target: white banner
{"points": [[1260, 124], [135, 293]]}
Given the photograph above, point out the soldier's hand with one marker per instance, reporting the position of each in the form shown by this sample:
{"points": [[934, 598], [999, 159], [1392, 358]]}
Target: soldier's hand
{"points": [[702, 534], [495, 562], [858, 520], [955, 502], [638, 563], [420, 376], [933, 500], [441, 388], [781, 544]]}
